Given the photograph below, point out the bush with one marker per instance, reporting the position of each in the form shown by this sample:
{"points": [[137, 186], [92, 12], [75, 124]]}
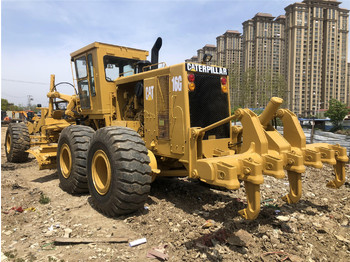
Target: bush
{"points": [[336, 112]]}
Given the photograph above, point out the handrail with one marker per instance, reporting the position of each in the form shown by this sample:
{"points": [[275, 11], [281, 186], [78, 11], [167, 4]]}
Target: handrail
{"points": [[122, 74], [163, 63], [236, 115]]}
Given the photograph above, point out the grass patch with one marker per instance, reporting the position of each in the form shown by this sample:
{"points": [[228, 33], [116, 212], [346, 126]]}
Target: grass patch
{"points": [[10, 254], [44, 199]]}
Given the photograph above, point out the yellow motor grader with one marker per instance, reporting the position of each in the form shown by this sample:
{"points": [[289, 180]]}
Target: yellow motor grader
{"points": [[131, 120]]}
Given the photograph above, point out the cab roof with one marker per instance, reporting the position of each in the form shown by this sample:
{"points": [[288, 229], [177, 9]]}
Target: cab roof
{"points": [[113, 50]]}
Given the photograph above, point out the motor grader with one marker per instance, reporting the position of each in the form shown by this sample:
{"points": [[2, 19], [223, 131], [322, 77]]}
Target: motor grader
{"points": [[131, 120]]}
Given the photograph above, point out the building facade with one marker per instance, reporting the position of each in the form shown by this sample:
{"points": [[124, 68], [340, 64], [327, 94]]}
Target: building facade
{"points": [[316, 44], [263, 58], [229, 49], [348, 88], [193, 59], [229, 55], [301, 57]]}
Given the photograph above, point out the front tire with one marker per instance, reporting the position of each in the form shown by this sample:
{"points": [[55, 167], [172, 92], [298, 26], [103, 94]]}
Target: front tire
{"points": [[72, 151], [118, 171], [17, 142]]}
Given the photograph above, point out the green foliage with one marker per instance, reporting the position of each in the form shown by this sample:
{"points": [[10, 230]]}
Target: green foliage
{"points": [[4, 104], [255, 89], [7, 106], [44, 199], [270, 84], [233, 109], [13, 107], [258, 111], [336, 112], [235, 83], [249, 87], [10, 254]]}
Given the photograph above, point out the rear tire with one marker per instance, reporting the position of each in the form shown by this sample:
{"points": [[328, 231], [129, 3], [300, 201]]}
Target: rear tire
{"points": [[72, 151], [118, 171], [17, 142]]}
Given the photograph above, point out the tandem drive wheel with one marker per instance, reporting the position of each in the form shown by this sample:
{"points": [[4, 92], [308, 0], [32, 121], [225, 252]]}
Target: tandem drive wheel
{"points": [[118, 171], [71, 158], [17, 142]]}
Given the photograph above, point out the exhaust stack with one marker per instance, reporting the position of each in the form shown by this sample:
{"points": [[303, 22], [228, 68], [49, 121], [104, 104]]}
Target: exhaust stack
{"points": [[155, 52]]}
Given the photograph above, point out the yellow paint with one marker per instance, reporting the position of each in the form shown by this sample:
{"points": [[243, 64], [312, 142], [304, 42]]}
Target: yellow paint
{"points": [[65, 160], [162, 119], [101, 172], [8, 144]]}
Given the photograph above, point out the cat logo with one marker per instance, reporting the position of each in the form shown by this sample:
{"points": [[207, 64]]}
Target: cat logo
{"points": [[149, 92]]}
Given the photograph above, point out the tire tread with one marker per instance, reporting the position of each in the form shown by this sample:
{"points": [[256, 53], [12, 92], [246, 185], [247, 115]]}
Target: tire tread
{"points": [[78, 137], [20, 142], [130, 178]]}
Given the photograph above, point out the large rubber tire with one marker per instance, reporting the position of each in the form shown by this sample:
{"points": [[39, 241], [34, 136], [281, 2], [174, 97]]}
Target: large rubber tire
{"points": [[72, 152], [17, 142], [118, 171]]}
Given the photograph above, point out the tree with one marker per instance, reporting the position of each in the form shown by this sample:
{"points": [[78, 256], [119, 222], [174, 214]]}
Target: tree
{"points": [[235, 82], [4, 104], [7, 106], [336, 112], [248, 88]]}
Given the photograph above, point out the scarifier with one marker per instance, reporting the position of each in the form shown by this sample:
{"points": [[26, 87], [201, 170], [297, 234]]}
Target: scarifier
{"points": [[131, 120]]}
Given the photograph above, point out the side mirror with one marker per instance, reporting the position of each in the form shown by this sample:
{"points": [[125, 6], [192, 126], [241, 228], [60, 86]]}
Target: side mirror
{"points": [[38, 105]]}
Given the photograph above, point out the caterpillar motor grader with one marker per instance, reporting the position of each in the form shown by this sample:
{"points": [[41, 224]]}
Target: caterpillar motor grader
{"points": [[131, 120]]}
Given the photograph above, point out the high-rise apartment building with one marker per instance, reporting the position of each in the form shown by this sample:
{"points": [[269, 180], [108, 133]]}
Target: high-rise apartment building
{"points": [[229, 49], [301, 57], [229, 55], [263, 58], [348, 87], [316, 44], [192, 59]]}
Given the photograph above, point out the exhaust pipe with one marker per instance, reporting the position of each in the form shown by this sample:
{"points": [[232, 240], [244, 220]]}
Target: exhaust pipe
{"points": [[155, 52]]}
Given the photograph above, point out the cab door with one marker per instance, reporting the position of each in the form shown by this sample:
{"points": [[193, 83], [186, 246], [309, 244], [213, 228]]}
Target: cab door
{"points": [[85, 79]]}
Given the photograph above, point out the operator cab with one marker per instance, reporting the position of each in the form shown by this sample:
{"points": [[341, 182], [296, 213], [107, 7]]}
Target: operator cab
{"points": [[96, 67]]}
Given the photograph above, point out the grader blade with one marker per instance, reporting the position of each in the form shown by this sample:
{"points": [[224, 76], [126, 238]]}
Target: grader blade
{"points": [[45, 155]]}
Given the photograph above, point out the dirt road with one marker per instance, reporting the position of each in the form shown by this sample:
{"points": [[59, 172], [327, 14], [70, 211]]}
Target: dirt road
{"points": [[192, 220]]}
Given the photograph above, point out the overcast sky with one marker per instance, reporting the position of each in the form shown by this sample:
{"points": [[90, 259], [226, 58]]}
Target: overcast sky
{"points": [[37, 36]]}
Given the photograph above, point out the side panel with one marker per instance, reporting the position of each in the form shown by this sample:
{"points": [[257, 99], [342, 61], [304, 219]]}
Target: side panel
{"points": [[150, 113], [165, 113], [178, 87]]}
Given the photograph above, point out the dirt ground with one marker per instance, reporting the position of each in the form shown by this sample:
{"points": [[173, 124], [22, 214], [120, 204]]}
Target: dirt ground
{"points": [[194, 222]]}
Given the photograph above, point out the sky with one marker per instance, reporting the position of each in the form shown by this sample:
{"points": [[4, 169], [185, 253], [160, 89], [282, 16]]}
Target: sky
{"points": [[37, 36]]}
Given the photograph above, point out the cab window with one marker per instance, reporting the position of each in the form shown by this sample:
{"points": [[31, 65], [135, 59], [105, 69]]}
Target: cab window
{"points": [[91, 74], [80, 65], [112, 72], [84, 95], [83, 85], [118, 67]]}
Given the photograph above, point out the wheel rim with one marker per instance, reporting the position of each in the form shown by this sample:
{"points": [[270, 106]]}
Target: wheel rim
{"points": [[65, 160], [101, 172], [8, 144]]}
